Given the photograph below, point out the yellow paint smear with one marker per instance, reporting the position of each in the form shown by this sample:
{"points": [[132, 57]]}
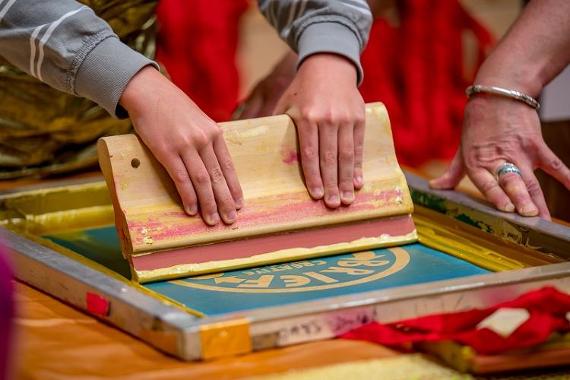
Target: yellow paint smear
{"points": [[468, 243]]}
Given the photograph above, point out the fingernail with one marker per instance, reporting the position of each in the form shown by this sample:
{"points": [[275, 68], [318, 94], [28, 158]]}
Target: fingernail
{"points": [[510, 207], [231, 216], [529, 211], [213, 218], [348, 196], [317, 192], [358, 180], [333, 200], [239, 203], [434, 184], [191, 210]]}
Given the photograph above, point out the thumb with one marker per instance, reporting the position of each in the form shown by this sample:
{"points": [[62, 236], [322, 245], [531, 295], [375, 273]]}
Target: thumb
{"points": [[453, 175]]}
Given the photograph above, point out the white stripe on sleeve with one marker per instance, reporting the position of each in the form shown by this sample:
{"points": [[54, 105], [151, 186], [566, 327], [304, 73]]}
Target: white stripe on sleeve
{"points": [[46, 37], [6, 8], [33, 38]]}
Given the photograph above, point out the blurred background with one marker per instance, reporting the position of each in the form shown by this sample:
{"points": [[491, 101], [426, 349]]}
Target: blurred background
{"points": [[421, 56], [260, 48]]}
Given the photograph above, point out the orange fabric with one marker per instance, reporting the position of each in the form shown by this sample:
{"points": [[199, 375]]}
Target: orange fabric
{"points": [[56, 341]]}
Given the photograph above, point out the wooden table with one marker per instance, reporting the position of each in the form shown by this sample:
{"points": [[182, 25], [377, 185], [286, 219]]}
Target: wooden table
{"points": [[56, 341]]}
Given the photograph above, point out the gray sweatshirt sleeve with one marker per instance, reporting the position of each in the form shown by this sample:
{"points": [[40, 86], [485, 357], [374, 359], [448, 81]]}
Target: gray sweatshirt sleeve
{"points": [[64, 44], [322, 26]]}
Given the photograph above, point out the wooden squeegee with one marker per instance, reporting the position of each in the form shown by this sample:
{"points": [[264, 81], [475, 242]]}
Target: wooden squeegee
{"points": [[279, 221]]}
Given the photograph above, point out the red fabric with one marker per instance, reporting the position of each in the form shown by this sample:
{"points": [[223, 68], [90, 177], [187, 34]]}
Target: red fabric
{"points": [[416, 68], [197, 44], [547, 308]]}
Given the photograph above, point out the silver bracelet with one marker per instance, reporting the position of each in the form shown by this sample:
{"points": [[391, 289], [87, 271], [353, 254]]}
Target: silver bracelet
{"points": [[513, 94]]}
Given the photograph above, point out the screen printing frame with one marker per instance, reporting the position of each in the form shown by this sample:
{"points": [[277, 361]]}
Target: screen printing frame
{"points": [[176, 331]]}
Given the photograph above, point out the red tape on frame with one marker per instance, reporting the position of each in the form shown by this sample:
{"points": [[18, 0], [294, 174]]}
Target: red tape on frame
{"points": [[97, 304]]}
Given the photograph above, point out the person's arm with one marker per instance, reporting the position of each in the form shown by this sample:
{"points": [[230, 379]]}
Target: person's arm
{"points": [[321, 26], [323, 98], [64, 44], [498, 130], [263, 98]]}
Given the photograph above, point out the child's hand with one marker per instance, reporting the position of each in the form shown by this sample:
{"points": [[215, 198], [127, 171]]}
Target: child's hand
{"points": [[328, 111], [187, 143]]}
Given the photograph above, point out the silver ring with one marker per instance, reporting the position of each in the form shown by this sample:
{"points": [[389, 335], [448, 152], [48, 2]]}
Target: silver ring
{"points": [[506, 168]]}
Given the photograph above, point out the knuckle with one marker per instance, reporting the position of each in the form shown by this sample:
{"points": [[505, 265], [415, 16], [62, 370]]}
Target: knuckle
{"points": [[328, 117], [309, 152], [214, 132], [202, 178], [488, 186], [329, 157], [358, 149], [159, 149], [180, 142], [555, 164], [216, 174], [360, 118], [200, 140], [530, 143], [344, 119], [226, 163], [346, 154], [206, 136], [311, 116], [180, 176], [533, 188]]}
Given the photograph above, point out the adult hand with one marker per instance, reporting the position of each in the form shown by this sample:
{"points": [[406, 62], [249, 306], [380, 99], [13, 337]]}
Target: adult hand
{"points": [[328, 111], [262, 100], [498, 130], [187, 143]]}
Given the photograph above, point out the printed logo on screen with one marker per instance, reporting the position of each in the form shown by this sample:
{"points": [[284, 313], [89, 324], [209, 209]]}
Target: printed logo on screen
{"points": [[308, 275]]}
